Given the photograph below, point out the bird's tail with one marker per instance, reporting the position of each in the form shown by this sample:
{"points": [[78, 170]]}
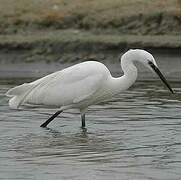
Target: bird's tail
{"points": [[18, 94]]}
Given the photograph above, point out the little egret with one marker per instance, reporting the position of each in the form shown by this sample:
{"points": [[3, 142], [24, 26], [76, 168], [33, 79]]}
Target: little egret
{"points": [[82, 85]]}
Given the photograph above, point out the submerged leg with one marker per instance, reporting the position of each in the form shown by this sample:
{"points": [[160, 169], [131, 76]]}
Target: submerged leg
{"points": [[50, 119], [83, 120]]}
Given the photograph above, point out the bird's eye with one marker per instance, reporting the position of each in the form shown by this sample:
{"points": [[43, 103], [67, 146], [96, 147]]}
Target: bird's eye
{"points": [[150, 62]]}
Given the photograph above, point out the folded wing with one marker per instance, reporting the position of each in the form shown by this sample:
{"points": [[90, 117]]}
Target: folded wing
{"points": [[61, 88]]}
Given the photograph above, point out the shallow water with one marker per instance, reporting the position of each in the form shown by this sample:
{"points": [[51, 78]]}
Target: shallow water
{"points": [[137, 135]]}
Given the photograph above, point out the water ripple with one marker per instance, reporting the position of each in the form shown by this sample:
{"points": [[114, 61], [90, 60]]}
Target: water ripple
{"points": [[137, 135]]}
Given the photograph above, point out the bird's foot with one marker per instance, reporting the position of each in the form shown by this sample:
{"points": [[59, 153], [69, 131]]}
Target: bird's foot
{"points": [[84, 129]]}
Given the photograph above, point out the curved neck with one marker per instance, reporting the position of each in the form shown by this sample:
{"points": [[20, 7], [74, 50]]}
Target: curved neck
{"points": [[124, 82]]}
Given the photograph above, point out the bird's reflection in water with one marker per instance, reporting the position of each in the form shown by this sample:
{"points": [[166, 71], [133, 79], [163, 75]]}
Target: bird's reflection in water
{"points": [[55, 133], [51, 143]]}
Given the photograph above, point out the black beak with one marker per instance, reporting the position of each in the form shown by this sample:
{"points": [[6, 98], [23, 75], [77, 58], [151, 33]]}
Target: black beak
{"points": [[161, 76]]}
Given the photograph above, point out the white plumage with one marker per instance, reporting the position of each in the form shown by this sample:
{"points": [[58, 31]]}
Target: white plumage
{"points": [[70, 86], [81, 85]]}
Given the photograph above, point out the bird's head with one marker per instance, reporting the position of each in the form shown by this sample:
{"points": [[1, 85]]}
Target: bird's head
{"points": [[145, 58]]}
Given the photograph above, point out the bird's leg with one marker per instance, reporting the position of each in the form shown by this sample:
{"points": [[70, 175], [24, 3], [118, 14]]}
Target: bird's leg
{"points": [[50, 119], [83, 120]]}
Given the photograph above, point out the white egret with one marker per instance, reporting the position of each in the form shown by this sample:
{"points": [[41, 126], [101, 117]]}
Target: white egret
{"points": [[81, 85]]}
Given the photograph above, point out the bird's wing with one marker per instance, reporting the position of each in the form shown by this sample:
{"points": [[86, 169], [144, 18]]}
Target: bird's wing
{"points": [[91, 84], [64, 88], [19, 93]]}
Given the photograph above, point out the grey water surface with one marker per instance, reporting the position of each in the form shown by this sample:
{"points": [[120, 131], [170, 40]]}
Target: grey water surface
{"points": [[135, 136]]}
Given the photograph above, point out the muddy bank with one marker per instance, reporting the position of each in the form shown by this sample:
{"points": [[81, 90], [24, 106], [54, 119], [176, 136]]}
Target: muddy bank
{"points": [[75, 45], [69, 31], [9, 71]]}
